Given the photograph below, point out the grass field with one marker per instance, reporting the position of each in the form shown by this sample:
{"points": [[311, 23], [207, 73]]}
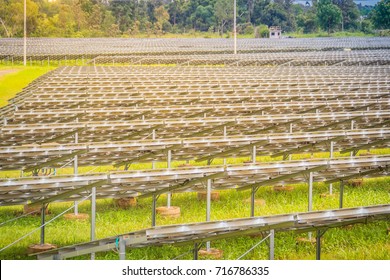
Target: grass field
{"points": [[14, 82], [359, 242]]}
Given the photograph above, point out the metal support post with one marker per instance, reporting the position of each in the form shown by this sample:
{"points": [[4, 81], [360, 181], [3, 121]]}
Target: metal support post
{"points": [[93, 218], [153, 138], [272, 244], [169, 160], [310, 204], [75, 167], [196, 249], [318, 243], [253, 154], [331, 156], [253, 193], [42, 224], [154, 210], [341, 194], [352, 127], [310, 198], [224, 136], [122, 249], [208, 208]]}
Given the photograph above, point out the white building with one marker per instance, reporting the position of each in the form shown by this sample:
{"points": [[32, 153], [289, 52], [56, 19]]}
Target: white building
{"points": [[275, 32]]}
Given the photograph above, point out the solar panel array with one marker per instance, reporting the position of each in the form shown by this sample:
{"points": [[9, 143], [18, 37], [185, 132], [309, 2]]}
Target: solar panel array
{"points": [[275, 98], [125, 115]]}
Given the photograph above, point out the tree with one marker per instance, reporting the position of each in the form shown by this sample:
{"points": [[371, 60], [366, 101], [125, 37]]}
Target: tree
{"points": [[161, 16], [223, 13], [350, 13], [328, 14], [380, 15]]}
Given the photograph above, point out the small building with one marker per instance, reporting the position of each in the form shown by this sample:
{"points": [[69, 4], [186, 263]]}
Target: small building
{"points": [[275, 32]]}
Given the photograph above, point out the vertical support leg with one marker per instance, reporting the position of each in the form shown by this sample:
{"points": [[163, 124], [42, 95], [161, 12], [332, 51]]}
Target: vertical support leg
{"points": [[122, 249], [272, 244], [196, 251], [341, 194], [154, 210], [169, 162], [253, 193], [310, 198], [42, 224], [224, 135], [208, 208], [352, 127], [153, 138], [75, 168], [318, 245], [253, 154], [93, 218], [291, 128], [331, 156]]}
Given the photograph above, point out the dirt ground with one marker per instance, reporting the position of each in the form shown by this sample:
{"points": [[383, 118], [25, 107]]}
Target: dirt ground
{"points": [[7, 71]]}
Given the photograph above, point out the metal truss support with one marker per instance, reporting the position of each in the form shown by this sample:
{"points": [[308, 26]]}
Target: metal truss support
{"points": [[122, 248], [341, 194], [272, 244], [320, 233], [208, 208], [43, 214], [93, 218]]}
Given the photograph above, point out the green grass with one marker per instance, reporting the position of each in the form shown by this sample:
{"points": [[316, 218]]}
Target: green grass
{"points": [[361, 242], [12, 83], [325, 34]]}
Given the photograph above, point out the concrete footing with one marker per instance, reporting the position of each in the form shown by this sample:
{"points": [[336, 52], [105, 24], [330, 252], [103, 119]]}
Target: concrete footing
{"points": [[168, 212]]}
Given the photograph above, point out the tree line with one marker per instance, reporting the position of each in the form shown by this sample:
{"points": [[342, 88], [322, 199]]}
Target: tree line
{"points": [[114, 18]]}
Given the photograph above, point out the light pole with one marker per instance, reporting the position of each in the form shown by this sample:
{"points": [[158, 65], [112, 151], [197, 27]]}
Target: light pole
{"points": [[25, 34], [235, 27]]}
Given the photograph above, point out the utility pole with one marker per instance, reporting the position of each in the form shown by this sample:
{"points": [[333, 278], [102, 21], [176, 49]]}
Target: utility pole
{"points": [[235, 27], [25, 35]]}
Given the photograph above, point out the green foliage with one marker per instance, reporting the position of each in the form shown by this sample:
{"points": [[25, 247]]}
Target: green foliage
{"points": [[262, 31], [366, 26], [328, 14], [380, 15], [350, 14], [223, 13], [145, 18]]}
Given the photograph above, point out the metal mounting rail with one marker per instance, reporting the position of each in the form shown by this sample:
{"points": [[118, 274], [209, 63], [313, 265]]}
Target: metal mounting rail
{"points": [[206, 231], [133, 182]]}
